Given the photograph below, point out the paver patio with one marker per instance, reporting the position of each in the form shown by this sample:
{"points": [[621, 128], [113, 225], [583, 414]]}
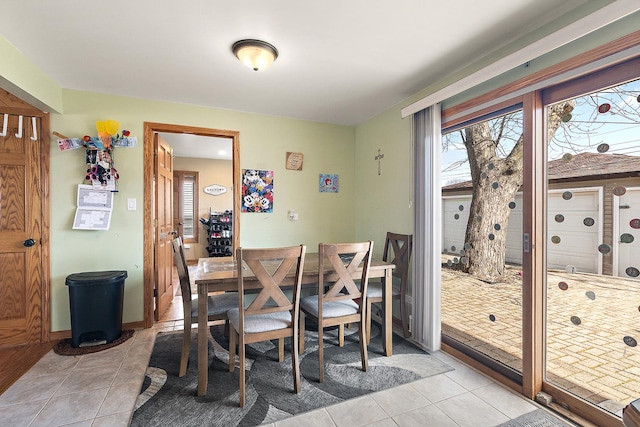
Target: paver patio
{"points": [[593, 326]]}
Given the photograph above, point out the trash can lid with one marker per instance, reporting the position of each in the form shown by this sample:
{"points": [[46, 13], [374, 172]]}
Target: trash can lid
{"points": [[95, 278]]}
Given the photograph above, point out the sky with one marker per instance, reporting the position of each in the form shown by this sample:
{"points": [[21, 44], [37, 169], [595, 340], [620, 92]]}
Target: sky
{"points": [[603, 121]]}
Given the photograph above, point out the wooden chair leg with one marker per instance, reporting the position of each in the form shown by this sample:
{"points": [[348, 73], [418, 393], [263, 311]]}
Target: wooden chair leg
{"points": [[404, 317], [295, 361], [364, 355], [320, 352], [369, 305], [186, 346], [242, 371], [341, 335], [232, 348], [280, 350], [302, 317]]}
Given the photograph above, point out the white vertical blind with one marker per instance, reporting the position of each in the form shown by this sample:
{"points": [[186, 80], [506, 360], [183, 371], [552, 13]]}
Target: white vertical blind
{"points": [[188, 207], [426, 300]]}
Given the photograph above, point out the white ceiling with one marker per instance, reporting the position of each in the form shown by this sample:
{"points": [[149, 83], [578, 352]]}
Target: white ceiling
{"points": [[341, 61], [203, 147]]}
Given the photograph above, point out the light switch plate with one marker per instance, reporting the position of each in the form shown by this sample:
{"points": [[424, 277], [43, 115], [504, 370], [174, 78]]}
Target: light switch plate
{"points": [[131, 204]]}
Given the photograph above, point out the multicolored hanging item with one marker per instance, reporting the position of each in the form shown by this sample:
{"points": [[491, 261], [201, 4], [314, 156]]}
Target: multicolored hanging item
{"points": [[100, 171]]}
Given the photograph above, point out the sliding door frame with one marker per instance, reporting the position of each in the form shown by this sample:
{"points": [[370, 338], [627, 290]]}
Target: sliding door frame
{"points": [[613, 61]]}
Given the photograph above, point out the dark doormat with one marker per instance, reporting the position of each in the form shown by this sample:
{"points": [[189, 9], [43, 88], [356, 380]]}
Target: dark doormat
{"points": [[64, 348]]}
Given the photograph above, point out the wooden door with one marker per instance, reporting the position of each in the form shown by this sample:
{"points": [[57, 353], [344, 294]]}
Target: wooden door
{"points": [[164, 230], [20, 232]]}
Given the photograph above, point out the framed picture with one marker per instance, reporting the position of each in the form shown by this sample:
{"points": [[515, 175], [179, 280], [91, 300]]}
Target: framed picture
{"points": [[257, 191], [329, 183], [294, 161]]}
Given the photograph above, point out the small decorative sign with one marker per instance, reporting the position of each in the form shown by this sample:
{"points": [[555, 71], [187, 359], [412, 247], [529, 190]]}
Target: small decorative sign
{"points": [[294, 161], [215, 189]]}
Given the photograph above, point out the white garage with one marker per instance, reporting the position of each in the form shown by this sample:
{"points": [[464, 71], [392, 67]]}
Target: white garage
{"points": [[574, 224], [627, 228]]}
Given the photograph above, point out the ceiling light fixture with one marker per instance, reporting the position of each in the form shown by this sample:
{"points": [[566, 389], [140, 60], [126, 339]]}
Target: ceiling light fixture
{"points": [[255, 54]]}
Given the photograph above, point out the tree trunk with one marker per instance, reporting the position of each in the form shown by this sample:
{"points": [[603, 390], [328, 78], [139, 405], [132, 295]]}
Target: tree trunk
{"points": [[496, 180]]}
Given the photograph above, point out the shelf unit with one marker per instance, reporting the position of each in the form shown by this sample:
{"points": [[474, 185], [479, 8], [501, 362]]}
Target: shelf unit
{"points": [[219, 233]]}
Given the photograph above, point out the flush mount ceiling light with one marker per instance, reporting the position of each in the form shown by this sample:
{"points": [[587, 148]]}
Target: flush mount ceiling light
{"points": [[255, 54]]}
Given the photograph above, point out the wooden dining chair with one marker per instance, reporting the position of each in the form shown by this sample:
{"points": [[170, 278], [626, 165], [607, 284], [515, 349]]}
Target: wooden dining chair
{"points": [[340, 300], [397, 251], [218, 305], [272, 314]]}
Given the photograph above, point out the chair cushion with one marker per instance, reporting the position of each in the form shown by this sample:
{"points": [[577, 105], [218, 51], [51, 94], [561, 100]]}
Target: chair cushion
{"points": [[374, 290], [255, 323], [329, 309], [218, 304]]}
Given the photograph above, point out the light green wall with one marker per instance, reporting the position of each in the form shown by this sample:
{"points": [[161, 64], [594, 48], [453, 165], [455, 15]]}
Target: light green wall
{"points": [[384, 202], [21, 78], [264, 141]]}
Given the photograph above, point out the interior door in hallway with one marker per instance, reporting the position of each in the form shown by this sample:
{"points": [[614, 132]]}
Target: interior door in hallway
{"points": [[20, 232], [164, 230]]}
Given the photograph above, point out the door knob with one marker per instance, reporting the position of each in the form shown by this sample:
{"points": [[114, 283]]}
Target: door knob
{"points": [[29, 242]]}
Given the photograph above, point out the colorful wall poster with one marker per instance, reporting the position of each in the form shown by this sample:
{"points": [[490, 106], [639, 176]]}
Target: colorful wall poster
{"points": [[257, 191]]}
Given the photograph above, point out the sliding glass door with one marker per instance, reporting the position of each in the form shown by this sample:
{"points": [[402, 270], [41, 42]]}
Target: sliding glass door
{"points": [[541, 241], [592, 243], [482, 163]]}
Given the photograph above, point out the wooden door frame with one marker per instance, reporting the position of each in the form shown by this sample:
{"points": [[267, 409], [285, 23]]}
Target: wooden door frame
{"points": [[16, 106], [148, 227]]}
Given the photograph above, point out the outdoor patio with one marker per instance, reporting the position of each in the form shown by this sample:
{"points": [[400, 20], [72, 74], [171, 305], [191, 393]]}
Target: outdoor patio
{"points": [[592, 329]]}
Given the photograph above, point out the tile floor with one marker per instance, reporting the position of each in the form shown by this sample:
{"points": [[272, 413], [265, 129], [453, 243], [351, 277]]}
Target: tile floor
{"points": [[100, 390]]}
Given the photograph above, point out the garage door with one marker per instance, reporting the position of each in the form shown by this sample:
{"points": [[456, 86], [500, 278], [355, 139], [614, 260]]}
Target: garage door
{"points": [[574, 228], [628, 242]]}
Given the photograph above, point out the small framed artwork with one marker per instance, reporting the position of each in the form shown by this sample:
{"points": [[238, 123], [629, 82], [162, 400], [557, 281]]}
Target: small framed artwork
{"points": [[329, 183], [294, 161]]}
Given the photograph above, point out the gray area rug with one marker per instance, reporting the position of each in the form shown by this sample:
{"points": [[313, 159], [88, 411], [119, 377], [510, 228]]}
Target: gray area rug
{"points": [[168, 400], [537, 418]]}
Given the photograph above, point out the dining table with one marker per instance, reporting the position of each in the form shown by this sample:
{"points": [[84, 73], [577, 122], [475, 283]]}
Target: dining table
{"points": [[219, 274]]}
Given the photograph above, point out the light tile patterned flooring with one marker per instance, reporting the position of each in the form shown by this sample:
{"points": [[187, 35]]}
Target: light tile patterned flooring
{"points": [[100, 389]]}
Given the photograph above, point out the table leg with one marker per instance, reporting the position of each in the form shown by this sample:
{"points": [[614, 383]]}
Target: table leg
{"points": [[387, 314], [203, 357]]}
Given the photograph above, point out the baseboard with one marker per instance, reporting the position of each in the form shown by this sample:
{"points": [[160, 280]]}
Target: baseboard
{"points": [[61, 335]]}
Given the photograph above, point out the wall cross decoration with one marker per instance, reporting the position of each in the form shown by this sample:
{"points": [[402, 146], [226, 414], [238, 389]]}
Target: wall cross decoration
{"points": [[378, 158]]}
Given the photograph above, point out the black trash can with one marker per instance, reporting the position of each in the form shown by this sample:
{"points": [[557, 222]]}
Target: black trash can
{"points": [[96, 306]]}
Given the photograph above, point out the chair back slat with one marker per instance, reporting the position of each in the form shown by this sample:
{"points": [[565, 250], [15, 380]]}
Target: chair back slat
{"points": [[272, 268], [400, 247], [181, 267], [336, 276]]}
